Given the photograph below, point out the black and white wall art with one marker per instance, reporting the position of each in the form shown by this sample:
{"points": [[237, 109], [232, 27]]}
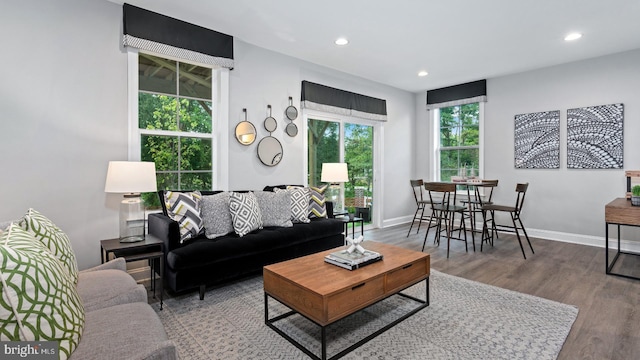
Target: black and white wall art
{"points": [[537, 140], [595, 137]]}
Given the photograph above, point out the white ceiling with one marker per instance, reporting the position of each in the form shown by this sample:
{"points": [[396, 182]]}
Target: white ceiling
{"points": [[456, 41]]}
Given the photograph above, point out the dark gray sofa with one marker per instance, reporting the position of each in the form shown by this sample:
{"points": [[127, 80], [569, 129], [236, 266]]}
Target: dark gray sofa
{"points": [[202, 262]]}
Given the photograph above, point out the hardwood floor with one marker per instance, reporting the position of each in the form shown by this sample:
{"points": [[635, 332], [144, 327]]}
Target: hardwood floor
{"points": [[608, 323]]}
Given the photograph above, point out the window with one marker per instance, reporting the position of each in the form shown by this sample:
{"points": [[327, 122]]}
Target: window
{"points": [[458, 143], [175, 122]]}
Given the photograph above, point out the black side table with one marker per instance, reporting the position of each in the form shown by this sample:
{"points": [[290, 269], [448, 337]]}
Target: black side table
{"points": [[150, 249], [353, 221]]}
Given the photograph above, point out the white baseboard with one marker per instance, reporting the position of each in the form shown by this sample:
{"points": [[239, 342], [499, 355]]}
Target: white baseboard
{"points": [[589, 240]]}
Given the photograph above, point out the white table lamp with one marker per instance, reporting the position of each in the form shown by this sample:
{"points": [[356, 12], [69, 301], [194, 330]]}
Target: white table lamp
{"points": [[131, 178], [334, 174]]}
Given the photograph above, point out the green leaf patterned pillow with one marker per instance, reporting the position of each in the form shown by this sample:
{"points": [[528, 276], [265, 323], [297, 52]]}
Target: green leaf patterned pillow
{"points": [[39, 301], [53, 238]]}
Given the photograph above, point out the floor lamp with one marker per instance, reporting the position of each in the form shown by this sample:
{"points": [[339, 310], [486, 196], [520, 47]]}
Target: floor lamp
{"points": [[131, 178], [335, 174]]}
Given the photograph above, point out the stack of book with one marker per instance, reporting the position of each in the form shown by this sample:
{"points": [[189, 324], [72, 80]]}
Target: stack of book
{"points": [[354, 260]]}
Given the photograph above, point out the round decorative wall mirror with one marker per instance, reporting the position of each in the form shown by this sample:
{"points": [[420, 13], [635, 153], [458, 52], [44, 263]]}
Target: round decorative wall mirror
{"points": [[291, 129], [270, 123], [270, 151], [291, 112], [245, 131]]}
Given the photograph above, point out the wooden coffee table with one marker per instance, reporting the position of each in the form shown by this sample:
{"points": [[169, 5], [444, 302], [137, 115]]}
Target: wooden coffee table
{"points": [[325, 293]]}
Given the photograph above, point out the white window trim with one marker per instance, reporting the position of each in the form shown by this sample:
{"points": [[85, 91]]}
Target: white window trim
{"points": [[219, 136], [434, 116], [378, 150]]}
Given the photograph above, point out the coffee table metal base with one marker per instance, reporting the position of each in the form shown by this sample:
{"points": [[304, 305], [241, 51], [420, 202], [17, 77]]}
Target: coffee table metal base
{"points": [[323, 329]]}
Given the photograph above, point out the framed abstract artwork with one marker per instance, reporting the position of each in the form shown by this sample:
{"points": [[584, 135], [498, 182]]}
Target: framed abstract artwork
{"points": [[595, 137], [537, 140]]}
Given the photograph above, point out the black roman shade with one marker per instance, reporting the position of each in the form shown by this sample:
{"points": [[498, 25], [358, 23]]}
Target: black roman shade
{"points": [[147, 30], [467, 93], [324, 98]]}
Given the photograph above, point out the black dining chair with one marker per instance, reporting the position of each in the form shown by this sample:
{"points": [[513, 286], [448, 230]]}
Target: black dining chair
{"points": [[442, 197], [489, 227], [421, 204], [482, 195]]}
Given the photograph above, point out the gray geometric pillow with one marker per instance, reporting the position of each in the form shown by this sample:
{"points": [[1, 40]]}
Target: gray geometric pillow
{"points": [[185, 209], [245, 212], [300, 198], [275, 208], [216, 215], [38, 296]]}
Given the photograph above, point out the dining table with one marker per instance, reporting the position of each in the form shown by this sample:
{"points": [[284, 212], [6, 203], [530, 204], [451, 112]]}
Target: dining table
{"points": [[471, 184]]}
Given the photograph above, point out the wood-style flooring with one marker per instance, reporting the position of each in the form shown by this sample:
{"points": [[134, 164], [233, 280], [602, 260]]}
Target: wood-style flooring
{"points": [[608, 323]]}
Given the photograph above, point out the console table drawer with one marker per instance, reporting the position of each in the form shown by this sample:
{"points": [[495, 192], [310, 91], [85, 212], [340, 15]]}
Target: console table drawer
{"points": [[357, 297], [407, 274]]}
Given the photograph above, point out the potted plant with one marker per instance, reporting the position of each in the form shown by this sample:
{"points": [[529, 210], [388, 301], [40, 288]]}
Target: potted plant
{"points": [[635, 195]]}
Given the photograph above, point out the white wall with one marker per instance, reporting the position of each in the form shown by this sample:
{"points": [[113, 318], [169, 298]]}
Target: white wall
{"points": [[563, 201], [563, 204], [64, 96], [261, 77], [64, 102]]}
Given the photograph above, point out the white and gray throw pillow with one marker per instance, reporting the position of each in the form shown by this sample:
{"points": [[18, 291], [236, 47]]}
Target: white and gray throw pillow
{"points": [[245, 212], [275, 208], [216, 215], [299, 203]]}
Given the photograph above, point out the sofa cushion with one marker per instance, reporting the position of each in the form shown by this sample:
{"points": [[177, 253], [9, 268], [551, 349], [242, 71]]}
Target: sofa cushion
{"points": [[38, 298], [216, 215], [126, 331], [245, 212], [275, 208], [104, 288], [45, 231], [317, 207], [201, 251], [184, 207]]}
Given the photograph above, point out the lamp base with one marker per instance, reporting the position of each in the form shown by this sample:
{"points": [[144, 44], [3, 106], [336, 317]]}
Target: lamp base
{"points": [[132, 221]]}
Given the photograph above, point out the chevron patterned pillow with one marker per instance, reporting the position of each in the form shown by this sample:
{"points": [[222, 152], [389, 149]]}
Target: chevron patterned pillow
{"points": [[38, 297], [184, 207], [245, 212], [317, 207]]}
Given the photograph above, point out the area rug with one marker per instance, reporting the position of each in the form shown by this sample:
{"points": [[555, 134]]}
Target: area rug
{"points": [[465, 320]]}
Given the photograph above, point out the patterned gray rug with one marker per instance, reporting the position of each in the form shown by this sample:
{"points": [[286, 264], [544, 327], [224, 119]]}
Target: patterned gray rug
{"points": [[466, 320]]}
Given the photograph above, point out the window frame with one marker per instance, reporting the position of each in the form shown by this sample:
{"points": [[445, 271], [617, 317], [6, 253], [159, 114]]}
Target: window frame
{"points": [[436, 136], [220, 103]]}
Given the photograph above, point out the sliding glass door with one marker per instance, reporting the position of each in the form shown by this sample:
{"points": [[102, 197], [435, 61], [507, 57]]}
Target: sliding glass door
{"points": [[351, 143]]}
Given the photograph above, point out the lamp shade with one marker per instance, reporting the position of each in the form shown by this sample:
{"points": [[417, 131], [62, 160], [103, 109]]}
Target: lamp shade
{"points": [[131, 177], [334, 173]]}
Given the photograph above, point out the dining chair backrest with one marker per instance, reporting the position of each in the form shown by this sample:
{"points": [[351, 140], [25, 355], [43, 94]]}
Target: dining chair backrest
{"points": [[491, 184], [444, 190], [416, 186], [521, 189]]}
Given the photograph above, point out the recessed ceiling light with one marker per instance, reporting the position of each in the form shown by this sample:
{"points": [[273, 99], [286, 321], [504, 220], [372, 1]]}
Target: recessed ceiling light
{"points": [[342, 41], [573, 36], [423, 73]]}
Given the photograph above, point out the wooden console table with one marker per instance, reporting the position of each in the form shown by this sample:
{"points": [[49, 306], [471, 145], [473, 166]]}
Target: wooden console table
{"points": [[619, 212]]}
